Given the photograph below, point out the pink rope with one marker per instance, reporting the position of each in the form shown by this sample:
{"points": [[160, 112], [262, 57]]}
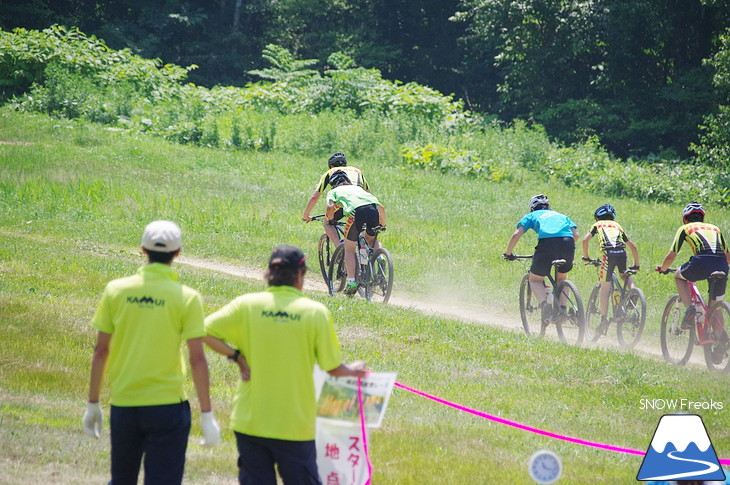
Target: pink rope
{"points": [[363, 431], [530, 428]]}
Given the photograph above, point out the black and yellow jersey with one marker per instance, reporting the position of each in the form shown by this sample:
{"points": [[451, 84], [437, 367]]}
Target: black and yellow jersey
{"points": [[702, 238], [354, 174], [610, 235]]}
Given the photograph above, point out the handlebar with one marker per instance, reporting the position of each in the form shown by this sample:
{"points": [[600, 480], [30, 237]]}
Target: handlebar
{"points": [[512, 257], [593, 262], [332, 222]]}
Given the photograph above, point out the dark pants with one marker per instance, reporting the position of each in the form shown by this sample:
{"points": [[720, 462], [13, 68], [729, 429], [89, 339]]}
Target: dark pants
{"points": [[295, 460], [159, 433]]}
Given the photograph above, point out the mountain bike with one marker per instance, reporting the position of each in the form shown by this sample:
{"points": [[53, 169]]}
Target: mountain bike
{"points": [[326, 249], [627, 309], [373, 269], [564, 307], [706, 328]]}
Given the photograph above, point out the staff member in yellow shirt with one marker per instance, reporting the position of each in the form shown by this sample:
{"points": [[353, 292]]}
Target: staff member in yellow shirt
{"points": [[142, 321], [276, 337]]}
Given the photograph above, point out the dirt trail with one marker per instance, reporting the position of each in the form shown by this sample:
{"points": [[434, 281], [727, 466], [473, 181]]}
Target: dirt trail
{"points": [[647, 347]]}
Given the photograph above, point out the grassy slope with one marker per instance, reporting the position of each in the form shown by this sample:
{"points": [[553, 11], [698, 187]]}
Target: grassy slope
{"points": [[74, 198]]}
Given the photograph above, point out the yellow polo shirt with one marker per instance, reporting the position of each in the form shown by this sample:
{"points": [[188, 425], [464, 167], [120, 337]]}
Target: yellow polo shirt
{"points": [[149, 315], [282, 334]]}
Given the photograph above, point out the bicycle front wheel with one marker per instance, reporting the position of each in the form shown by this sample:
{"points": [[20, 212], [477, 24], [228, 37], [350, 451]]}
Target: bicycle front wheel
{"points": [[717, 357], [676, 341], [571, 316], [633, 318], [593, 314], [380, 283], [324, 252], [530, 310], [337, 274]]}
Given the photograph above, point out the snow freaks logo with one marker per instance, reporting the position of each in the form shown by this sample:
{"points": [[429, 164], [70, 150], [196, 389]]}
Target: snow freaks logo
{"points": [[680, 450]]}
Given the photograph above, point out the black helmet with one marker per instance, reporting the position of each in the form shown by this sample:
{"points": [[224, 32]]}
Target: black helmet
{"points": [[606, 211], [338, 178], [539, 202], [693, 208], [337, 160]]}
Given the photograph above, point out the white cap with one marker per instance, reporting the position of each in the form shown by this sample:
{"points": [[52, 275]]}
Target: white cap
{"points": [[162, 236]]}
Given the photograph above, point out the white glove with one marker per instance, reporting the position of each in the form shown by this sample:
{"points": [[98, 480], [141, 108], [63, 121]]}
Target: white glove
{"points": [[211, 430], [93, 419]]}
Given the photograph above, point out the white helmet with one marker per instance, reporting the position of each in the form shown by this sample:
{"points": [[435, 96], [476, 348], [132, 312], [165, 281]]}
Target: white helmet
{"points": [[539, 202]]}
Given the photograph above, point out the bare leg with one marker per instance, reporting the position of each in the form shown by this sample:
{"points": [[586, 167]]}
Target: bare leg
{"points": [[331, 232], [537, 285], [350, 260]]}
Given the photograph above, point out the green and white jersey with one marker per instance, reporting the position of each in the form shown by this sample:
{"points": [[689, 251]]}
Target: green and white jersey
{"points": [[350, 197]]}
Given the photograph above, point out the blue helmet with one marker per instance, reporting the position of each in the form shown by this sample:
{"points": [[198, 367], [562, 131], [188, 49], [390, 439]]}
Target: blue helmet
{"points": [[606, 211]]}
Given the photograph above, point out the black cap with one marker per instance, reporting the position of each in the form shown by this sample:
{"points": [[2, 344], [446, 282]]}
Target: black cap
{"points": [[287, 257]]}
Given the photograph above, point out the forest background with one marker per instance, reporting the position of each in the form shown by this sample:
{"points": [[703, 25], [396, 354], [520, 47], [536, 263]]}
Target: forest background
{"points": [[647, 79]]}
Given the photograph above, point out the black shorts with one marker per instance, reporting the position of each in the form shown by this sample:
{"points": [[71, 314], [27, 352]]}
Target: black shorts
{"points": [[612, 259], [364, 216], [701, 266], [548, 250]]}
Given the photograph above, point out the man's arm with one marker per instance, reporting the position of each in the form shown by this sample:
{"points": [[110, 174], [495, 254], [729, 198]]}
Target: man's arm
{"points": [[199, 369], [310, 205], [634, 252], [331, 208], [219, 346], [513, 240], [576, 236], [586, 238], [98, 364], [668, 260], [356, 369], [381, 215]]}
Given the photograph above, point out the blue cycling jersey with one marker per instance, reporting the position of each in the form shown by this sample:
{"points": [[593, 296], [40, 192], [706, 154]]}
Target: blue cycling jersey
{"points": [[547, 223]]}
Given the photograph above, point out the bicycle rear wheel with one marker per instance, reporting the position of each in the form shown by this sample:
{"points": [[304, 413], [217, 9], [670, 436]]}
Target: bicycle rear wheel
{"points": [[380, 284], [337, 273], [593, 314], [676, 342], [324, 252], [530, 310], [571, 319], [717, 357], [633, 318]]}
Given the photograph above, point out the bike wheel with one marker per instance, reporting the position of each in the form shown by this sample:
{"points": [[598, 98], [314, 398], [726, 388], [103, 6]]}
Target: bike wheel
{"points": [[717, 357], [324, 252], [337, 273], [530, 310], [593, 314], [571, 319], [676, 342], [630, 325], [380, 284]]}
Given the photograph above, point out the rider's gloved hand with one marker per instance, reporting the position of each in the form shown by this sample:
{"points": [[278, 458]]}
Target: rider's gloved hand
{"points": [[635, 267], [509, 257], [586, 258], [306, 218], [659, 269]]}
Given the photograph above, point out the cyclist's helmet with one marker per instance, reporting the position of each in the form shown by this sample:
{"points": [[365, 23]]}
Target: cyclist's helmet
{"points": [[606, 211], [539, 202], [337, 160], [693, 212], [338, 178]]}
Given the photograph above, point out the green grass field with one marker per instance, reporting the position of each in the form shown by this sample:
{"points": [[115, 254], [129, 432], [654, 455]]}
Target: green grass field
{"points": [[75, 198]]}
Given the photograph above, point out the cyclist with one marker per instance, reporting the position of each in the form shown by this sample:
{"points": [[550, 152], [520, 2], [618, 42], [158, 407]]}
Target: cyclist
{"points": [[709, 254], [612, 241], [363, 210], [337, 162], [556, 237]]}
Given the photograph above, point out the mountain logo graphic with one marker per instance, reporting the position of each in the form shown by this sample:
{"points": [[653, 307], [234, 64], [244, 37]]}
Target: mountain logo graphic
{"points": [[680, 450]]}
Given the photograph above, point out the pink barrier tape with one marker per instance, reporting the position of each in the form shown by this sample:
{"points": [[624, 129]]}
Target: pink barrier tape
{"points": [[363, 431], [530, 428]]}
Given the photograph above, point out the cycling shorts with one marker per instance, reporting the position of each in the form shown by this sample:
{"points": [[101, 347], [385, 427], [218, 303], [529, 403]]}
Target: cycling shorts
{"points": [[339, 214], [365, 215], [548, 250], [612, 259], [701, 266]]}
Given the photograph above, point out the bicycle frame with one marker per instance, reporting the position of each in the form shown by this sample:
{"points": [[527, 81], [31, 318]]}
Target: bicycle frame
{"points": [[696, 299]]}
